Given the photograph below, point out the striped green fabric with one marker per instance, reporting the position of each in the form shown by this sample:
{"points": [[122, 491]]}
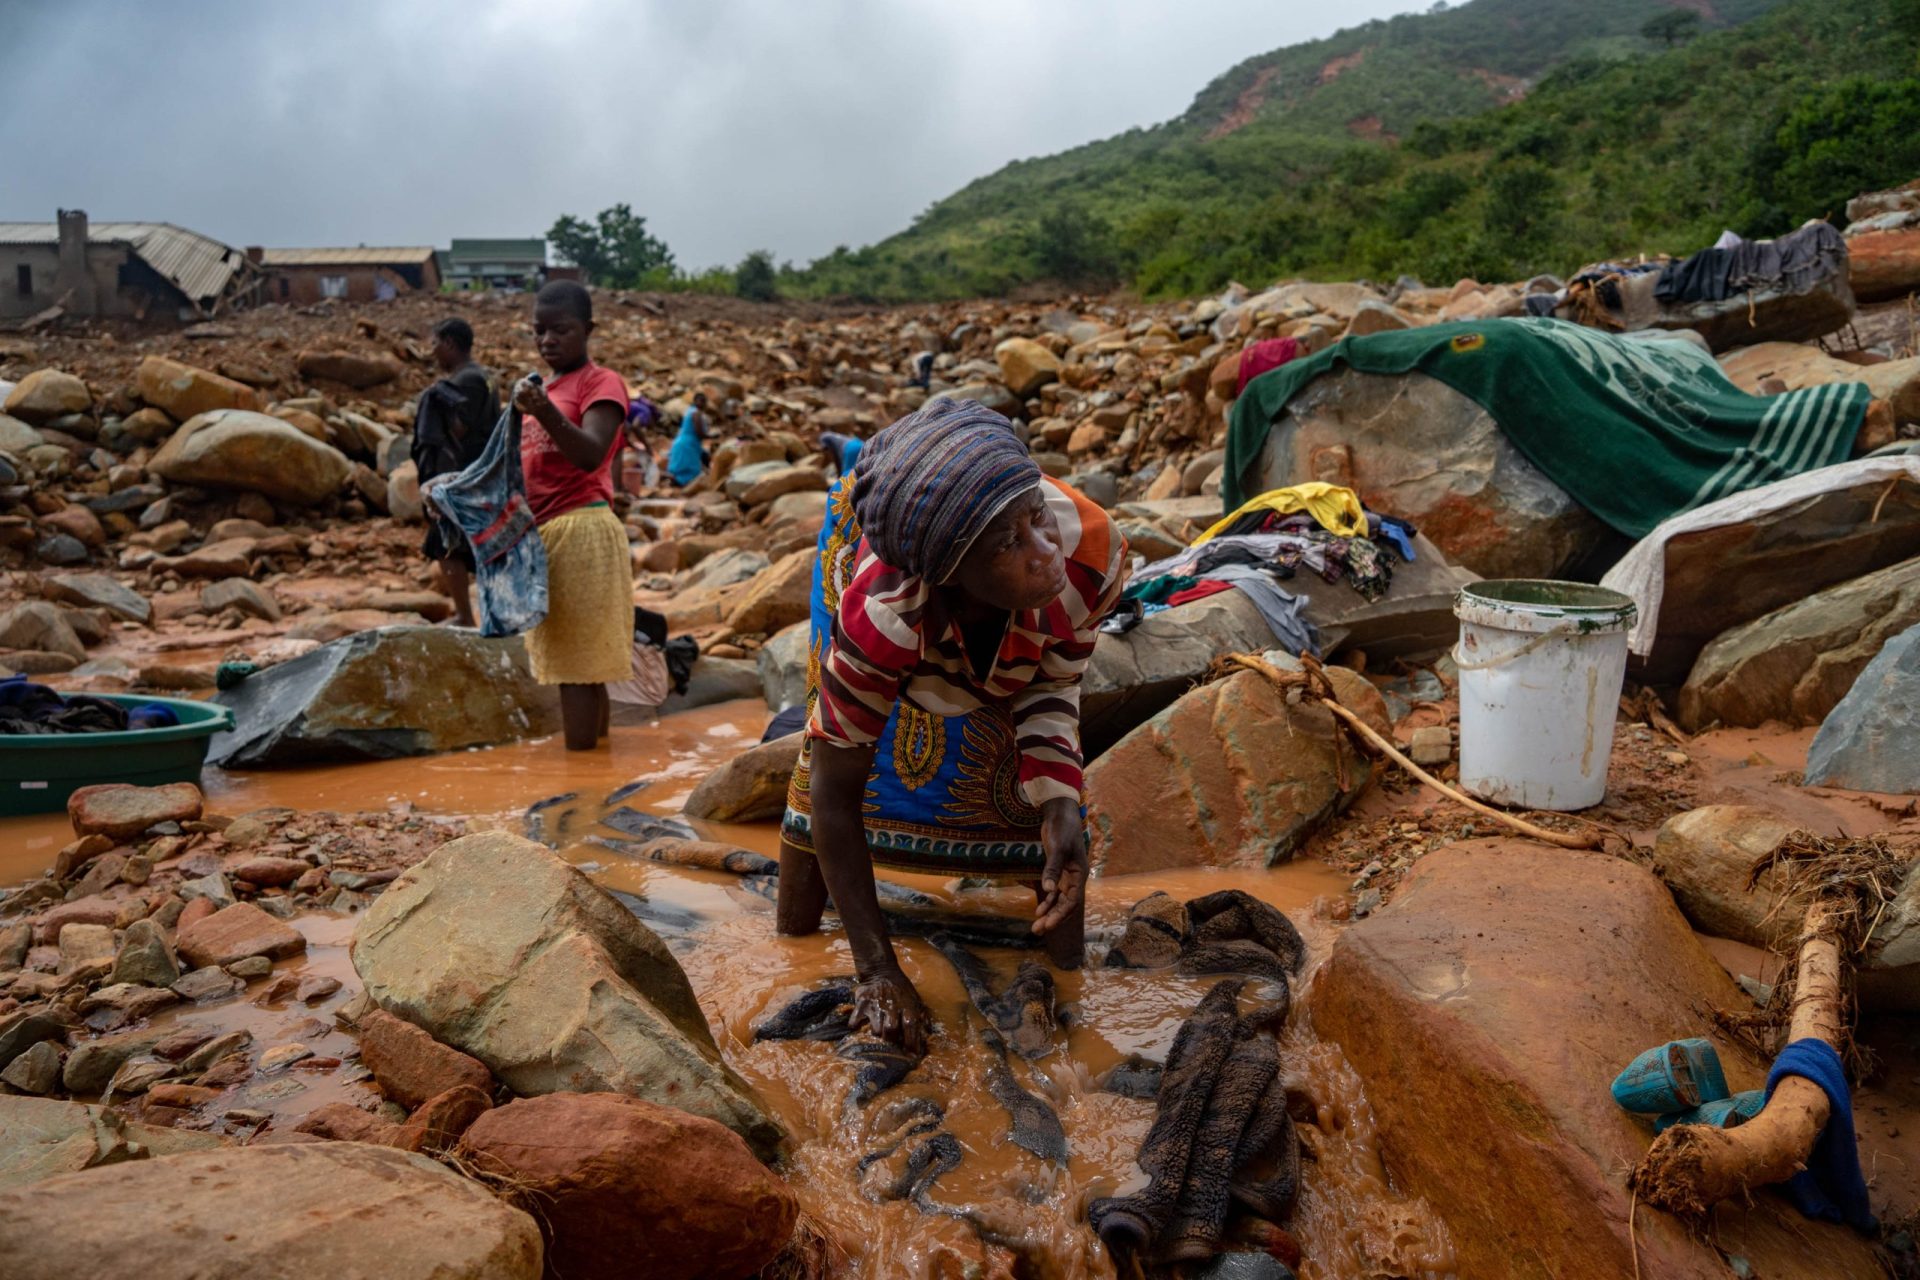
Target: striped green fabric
{"points": [[1636, 429]]}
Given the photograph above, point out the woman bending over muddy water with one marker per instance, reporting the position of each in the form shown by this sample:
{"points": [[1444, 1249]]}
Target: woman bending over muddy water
{"points": [[955, 599]]}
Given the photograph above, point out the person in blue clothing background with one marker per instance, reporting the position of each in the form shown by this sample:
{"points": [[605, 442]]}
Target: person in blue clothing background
{"points": [[688, 457], [843, 451]]}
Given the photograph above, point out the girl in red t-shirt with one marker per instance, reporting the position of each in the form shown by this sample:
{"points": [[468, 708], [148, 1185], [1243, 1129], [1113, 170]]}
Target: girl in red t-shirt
{"points": [[569, 437]]}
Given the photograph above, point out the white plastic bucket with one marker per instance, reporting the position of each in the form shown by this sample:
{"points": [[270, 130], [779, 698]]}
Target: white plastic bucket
{"points": [[1541, 665]]}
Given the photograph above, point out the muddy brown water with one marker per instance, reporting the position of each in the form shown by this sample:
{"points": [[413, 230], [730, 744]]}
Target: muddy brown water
{"points": [[1350, 1221]]}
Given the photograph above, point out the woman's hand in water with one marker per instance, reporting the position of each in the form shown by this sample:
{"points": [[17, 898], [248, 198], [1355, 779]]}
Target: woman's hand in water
{"points": [[1063, 883], [888, 1005], [530, 398]]}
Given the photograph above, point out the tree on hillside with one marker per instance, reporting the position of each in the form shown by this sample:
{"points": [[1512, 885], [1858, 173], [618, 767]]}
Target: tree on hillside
{"points": [[755, 278], [1860, 134], [1673, 27], [1073, 246], [615, 249]]}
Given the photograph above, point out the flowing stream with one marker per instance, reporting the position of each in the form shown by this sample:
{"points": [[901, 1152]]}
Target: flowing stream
{"points": [[1349, 1221]]}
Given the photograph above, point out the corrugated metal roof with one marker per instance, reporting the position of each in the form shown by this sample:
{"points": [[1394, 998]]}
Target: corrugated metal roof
{"points": [[199, 266], [376, 256], [495, 250]]}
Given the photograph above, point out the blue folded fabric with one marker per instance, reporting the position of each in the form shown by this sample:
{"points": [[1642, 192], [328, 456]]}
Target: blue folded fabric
{"points": [[152, 715], [1831, 1187]]}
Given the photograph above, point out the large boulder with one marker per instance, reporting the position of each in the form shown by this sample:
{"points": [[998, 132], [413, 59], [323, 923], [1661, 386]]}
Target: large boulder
{"points": [[412, 1067], [1231, 775], [1713, 579], [715, 680], [98, 591], [563, 990], [1026, 366], [781, 482], [778, 596], [1706, 857], [751, 787], [403, 494], [625, 1188], [704, 594], [46, 394], [121, 810], [1884, 265], [1797, 367], [1132, 676], [782, 666], [375, 695], [358, 369], [40, 1138], [1870, 741], [239, 449], [237, 933], [37, 625], [1413, 447], [17, 438], [1487, 1009], [311, 1209], [186, 392], [1796, 663]]}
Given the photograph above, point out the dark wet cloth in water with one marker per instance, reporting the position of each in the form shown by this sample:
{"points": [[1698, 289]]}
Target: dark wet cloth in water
{"points": [[1222, 1135], [28, 708], [1226, 932], [826, 1014]]}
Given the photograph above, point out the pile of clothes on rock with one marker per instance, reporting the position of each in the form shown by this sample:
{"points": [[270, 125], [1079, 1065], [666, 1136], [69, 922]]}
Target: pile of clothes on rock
{"points": [[28, 708], [1262, 544], [1632, 295]]}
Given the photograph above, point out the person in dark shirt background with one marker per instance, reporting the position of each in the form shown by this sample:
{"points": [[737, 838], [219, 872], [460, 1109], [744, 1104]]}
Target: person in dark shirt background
{"points": [[451, 427]]}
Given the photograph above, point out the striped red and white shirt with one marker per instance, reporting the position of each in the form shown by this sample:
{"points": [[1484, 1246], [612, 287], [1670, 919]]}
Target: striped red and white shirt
{"points": [[893, 639]]}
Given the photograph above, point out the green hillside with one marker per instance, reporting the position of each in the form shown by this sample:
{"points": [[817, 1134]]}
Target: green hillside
{"points": [[1399, 147]]}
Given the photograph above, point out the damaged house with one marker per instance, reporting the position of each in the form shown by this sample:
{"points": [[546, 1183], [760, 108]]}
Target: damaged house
{"points": [[126, 270], [363, 274]]}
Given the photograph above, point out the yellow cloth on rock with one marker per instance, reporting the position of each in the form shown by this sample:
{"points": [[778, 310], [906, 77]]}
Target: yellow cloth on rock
{"points": [[587, 637], [1337, 509]]}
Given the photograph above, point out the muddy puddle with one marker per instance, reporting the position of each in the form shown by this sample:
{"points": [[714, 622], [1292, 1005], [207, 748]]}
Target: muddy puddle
{"points": [[1349, 1222]]}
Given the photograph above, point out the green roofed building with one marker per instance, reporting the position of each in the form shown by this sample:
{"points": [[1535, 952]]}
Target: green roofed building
{"points": [[493, 264]]}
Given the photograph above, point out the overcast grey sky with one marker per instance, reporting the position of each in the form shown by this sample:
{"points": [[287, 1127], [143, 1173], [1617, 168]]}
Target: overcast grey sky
{"points": [[792, 125]]}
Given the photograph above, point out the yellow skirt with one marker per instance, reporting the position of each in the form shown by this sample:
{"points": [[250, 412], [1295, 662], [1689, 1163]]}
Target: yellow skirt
{"points": [[587, 637]]}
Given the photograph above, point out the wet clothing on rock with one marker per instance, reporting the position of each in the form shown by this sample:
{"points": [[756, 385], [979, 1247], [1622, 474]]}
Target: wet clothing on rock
{"points": [[587, 636], [556, 486], [1337, 509], [1640, 430], [1831, 1187], [486, 505], [961, 765], [1263, 357]]}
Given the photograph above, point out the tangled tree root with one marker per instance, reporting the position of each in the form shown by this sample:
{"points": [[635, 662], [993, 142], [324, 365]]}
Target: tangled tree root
{"points": [[1690, 1168]]}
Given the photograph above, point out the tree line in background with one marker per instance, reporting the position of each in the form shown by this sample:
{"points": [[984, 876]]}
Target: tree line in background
{"points": [[1757, 129], [618, 251]]}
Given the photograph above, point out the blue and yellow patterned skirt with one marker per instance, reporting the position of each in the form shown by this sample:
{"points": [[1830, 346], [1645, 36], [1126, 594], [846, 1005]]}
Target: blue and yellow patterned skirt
{"points": [[944, 796]]}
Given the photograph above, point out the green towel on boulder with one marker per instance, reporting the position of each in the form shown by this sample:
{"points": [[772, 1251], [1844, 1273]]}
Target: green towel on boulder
{"points": [[1636, 429]]}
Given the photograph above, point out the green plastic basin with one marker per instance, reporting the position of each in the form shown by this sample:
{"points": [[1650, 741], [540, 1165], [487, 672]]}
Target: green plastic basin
{"points": [[39, 771]]}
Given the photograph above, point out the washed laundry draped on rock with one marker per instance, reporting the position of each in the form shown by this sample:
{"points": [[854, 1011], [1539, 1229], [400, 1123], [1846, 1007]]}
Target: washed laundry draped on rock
{"points": [[1639, 430]]}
